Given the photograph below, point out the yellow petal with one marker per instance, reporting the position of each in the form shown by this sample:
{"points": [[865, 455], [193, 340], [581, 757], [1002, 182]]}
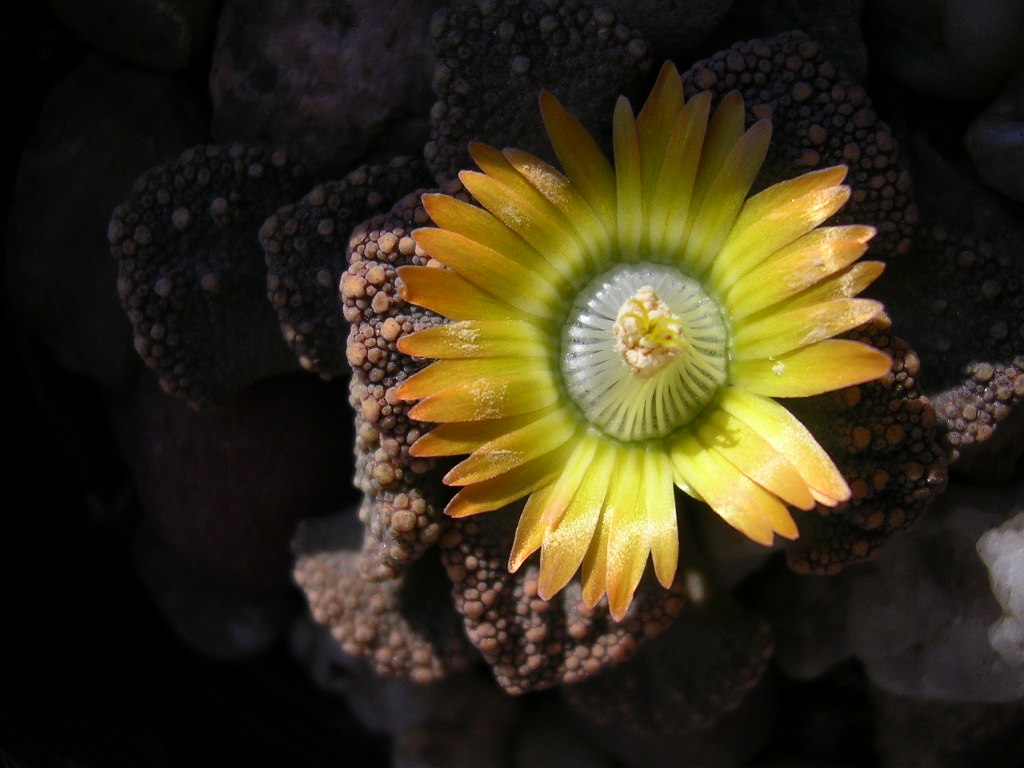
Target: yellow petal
{"points": [[822, 367], [545, 508], [724, 196], [459, 437], [784, 193], [850, 282], [654, 127], [503, 191], [476, 339], [518, 389], [661, 109], [565, 545], [746, 450], [449, 294], [752, 240], [798, 266], [499, 491], [490, 271], [530, 528], [662, 522], [629, 531], [593, 231], [724, 129], [673, 192], [778, 516], [628, 201], [786, 434], [445, 374], [594, 568], [789, 329], [481, 226], [735, 498], [569, 480], [583, 161], [541, 436]]}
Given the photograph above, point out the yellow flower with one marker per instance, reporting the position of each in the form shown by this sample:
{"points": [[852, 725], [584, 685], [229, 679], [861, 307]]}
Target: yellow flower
{"points": [[617, 331]]}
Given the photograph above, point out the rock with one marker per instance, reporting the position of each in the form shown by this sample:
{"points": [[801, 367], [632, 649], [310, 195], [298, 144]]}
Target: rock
{"points": [[809, 616], [226, 488], [1002, 550], [192, 277], [919, 618], [166, 35], [219, 620], [329, 81], [835, 25], [100, 127], [919, 733], [549, 736], [671, 26], [463, 721], [955, 50], [995, 140]]}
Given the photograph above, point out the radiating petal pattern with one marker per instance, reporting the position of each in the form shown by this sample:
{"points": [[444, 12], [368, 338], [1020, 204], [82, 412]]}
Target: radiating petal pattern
{"points": [[618, 329]]}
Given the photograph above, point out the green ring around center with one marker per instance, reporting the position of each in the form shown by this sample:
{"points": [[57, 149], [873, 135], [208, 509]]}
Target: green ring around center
{"points": [[610, 394]]}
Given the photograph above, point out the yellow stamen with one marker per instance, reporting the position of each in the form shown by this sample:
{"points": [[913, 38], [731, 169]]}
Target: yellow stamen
{"points": [[648, 334]]}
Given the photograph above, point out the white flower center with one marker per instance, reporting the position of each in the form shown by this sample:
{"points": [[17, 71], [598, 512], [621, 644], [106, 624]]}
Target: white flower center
{"points": [[644, 349]]}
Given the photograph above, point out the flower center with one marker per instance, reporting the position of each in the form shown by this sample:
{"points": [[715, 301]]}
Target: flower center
{"points": [[648, 334], [644, 349]]}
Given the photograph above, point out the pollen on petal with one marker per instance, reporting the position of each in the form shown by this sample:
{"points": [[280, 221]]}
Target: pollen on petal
{"points": [[594, 569], [459, 437], [514, 391], [479, 339], [593, 231], [530, 529], [482, 226], [800, 265], [750, 245], [565, 545], [629, 533], [502, 490], [545, 507], [797, 205], [849, 282], [568, 482], [531, 216], [541, 436], [490, 271], [442, 375], [585, 164], [660, 503]]}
